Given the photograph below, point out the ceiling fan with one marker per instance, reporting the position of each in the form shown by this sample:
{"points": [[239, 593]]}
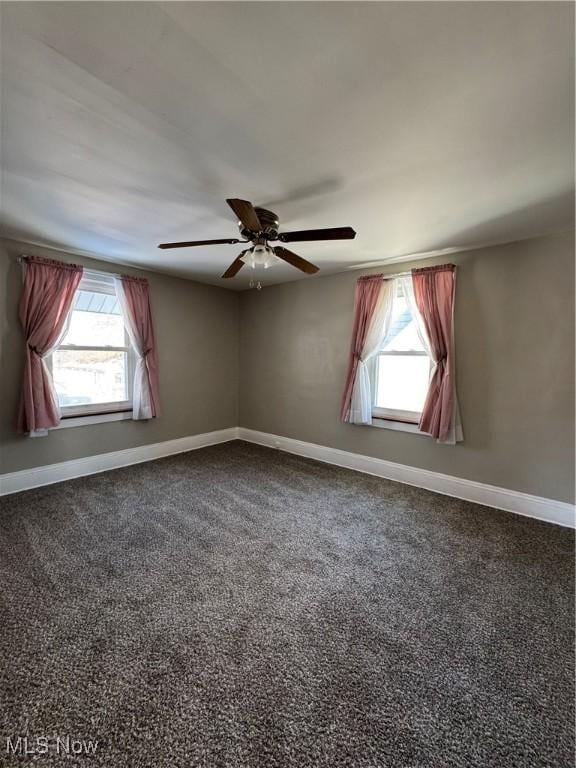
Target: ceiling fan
{"points": [[259, 226]]}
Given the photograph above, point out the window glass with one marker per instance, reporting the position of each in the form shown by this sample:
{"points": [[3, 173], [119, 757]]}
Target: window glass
{"points": [[403, 333], [86, 377], [402, 368], [96, 321], [402, 382], [93, 363]]}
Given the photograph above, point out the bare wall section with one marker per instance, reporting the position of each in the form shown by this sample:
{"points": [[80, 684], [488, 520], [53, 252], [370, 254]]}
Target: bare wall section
{"points": [[515, 368], [197, 335]]}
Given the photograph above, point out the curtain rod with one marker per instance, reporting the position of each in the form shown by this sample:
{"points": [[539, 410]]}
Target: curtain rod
{"points": [[21, 259], [395, 275], [400, 274], [386, 277]]}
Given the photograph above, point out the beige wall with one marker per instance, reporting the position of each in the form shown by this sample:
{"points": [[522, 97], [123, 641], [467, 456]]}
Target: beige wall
{"points": [[197, 335], [515, 368]]}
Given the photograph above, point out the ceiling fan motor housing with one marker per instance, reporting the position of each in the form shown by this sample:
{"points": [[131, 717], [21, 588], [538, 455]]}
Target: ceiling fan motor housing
{"points": [[270, 224]]}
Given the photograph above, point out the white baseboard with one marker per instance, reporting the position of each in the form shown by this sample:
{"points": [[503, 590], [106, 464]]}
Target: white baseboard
{"points": [[550, 510], [489, 495], [90, 465]]}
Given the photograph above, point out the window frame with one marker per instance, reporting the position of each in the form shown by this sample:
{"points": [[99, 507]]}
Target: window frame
{"points": [[99, 282], [395, 414]]}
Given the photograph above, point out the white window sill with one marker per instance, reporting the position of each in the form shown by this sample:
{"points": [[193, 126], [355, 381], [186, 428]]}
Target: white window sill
{"points": [[99, 418], [397, 426]]}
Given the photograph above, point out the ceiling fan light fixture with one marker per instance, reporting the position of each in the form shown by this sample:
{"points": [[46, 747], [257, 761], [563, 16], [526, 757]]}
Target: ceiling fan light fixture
{"points": [[260, 256]]}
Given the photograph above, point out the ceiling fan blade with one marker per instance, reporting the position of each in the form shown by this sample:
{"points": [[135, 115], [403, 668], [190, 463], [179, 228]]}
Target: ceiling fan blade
{"points": [[295, 260], [335, 233], [235, 267], [188, 244], [246, 214]]}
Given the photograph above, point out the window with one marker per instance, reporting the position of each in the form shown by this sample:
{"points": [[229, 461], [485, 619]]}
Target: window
{"points": [[93, 366], [402, 367]]}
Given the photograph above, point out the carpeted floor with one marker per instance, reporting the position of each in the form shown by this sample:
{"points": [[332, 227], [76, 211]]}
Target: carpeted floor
{"points": [[237, 606]]}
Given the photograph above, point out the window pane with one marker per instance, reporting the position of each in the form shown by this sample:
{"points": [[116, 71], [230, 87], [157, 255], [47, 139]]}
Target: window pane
{"points": [[95, 321], [402, 382], [402, 335], [84, 377]]}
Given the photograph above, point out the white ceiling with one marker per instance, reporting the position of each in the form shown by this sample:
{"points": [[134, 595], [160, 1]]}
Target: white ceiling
{"points": [[425, 126]]}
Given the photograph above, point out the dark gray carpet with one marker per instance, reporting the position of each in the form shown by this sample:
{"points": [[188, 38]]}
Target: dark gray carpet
{"points": [[236, 606]]}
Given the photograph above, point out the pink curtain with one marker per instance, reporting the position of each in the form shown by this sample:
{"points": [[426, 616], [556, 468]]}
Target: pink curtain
{"points": [[134, 296], [45, 303], [434, 295], [365, 300]]}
